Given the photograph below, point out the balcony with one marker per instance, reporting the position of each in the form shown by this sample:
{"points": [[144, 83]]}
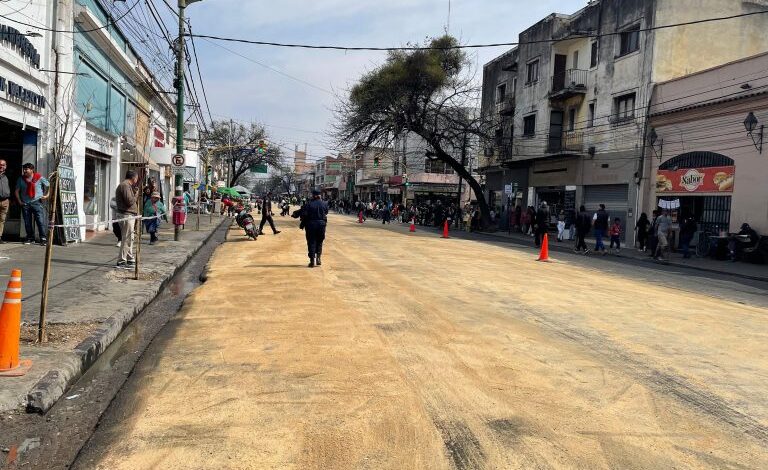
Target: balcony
{"points": [[569, 83], [507, 106], [571, 142]]}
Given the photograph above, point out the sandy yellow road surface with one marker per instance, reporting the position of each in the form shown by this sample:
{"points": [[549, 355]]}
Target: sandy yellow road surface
{"points": [[408, 351]]}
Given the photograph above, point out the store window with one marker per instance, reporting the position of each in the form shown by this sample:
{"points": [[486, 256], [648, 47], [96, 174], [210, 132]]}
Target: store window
{"points": [[95, 187], [116, 112], [92, 94]]}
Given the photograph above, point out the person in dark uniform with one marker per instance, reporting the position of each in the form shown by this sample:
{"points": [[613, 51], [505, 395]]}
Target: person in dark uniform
{"points": [[314, 218], [266, 214]]}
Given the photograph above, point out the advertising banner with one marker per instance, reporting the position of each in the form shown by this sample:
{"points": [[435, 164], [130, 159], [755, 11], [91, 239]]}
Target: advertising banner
{"points": [[718, 179]]}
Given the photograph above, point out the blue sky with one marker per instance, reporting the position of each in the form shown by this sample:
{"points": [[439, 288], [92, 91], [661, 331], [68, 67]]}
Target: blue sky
{"points": [[245, 90]]}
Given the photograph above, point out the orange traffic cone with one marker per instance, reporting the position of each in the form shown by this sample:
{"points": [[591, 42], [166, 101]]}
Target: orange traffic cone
{"points": [[413, 225], [10, 330], [445, 230], [544, 255]]}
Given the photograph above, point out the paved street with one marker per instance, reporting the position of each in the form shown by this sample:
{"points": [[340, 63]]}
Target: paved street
{"points": [[410, 351]]}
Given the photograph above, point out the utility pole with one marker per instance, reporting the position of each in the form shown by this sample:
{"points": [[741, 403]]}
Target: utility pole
{"points": [[231, 157], [177, 183]]}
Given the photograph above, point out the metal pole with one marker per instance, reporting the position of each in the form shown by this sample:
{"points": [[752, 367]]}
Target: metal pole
{"points": [[139, 224], [179, 108]]}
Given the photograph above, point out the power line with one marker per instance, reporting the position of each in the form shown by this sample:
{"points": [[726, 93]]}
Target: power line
{"points": [[467, 46], [200, 76], [110, 21]]}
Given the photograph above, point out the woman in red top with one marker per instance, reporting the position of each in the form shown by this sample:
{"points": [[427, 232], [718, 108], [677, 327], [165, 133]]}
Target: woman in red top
{"points": [[615, 233]]}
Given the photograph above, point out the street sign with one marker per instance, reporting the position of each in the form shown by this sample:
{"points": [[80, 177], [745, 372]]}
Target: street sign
{"points": [[508, 189], [259, 168], [177, 160]]}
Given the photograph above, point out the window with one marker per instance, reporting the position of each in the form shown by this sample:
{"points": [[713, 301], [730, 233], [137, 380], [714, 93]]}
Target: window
{"points": [[499, 137], [92, 91], [593, 55], [630, 40], [591, 117], [501, 92], [625, 107], [571, 119], [532, 72], [529, 125], [575, 60]]}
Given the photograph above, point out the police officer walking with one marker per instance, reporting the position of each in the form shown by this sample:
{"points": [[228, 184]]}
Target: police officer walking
{"points": [[315, 218]]}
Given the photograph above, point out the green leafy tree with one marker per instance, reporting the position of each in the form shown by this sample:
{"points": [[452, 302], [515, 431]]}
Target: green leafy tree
{"points": [[429, 92]]}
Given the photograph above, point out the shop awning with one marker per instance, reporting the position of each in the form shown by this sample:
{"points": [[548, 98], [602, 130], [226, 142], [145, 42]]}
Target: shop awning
{"points": [[369, 182]]}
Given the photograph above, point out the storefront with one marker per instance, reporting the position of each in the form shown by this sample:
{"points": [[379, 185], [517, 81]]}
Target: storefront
{"points": [[98, 178], [698, 184]]}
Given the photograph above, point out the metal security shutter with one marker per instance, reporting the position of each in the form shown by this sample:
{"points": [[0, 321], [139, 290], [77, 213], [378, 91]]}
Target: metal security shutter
{"points": [[614, 196]]}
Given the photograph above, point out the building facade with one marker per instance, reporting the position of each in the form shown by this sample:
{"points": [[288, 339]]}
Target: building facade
{"points": [[570, 102], [706, 156]]}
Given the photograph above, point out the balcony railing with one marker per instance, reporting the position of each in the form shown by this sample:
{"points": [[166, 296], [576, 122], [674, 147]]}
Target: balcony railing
{"points": [[506, 107], [567, 142], [571, 80]]}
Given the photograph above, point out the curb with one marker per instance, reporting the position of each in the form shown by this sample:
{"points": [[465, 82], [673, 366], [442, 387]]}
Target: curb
{"points": [[47, 391]]}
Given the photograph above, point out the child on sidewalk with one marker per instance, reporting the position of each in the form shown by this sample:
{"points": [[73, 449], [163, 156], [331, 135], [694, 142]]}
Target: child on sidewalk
{"points": [[615, 233]]}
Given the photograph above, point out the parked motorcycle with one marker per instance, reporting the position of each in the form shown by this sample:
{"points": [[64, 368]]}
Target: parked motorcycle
{"points": [[245, 221]]}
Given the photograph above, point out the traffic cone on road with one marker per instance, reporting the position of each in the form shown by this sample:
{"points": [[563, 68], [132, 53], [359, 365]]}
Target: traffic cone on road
{"points": [[10, 330], [544, 255], [445, 230], [413, 225]]}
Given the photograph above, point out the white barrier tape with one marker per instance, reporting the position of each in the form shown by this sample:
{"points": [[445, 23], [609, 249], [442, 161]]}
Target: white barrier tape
{"points": [[107, 222]]}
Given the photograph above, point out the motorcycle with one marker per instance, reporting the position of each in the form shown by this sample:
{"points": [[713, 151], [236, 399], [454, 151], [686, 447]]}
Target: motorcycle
{"points": [[245, 221]]}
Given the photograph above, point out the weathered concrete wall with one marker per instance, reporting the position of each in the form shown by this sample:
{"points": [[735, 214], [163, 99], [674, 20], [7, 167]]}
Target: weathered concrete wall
{"points": [[688, 49]]}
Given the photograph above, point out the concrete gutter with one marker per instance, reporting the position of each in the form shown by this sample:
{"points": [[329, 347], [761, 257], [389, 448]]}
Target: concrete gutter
{"points": [[53, 384]]}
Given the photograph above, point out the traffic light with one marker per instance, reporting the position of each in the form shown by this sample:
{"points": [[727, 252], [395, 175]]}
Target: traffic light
{"points": [[262, 146], [376, 162], [406, 183], [209, 169]]}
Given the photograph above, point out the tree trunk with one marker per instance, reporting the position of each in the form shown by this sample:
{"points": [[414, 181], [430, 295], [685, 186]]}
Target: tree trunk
{"points": [[485, 210]]}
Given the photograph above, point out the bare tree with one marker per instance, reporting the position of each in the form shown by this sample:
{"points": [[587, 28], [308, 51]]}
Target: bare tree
{"points": [[428, 92], [236, 146]]}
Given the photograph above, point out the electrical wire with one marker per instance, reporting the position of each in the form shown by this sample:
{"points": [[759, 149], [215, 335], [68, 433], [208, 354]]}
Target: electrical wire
{"points": [[470, 46]]}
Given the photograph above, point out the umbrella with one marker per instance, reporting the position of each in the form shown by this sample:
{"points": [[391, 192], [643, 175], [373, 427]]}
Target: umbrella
{"points": [[228, 192]]}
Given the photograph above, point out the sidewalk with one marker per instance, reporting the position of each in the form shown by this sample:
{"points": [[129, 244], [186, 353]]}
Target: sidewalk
{"points": [[740, 269], [89, 304]]}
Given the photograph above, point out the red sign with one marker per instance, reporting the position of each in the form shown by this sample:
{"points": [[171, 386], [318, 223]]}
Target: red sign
{"points": [[159, 138], [718, 179]]}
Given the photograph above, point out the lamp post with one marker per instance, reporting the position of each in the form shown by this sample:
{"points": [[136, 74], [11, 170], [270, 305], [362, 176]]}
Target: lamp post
{"points": [[750, 124]]}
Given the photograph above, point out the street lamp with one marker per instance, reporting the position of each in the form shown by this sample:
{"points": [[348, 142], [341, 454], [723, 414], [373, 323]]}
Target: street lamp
{"points": [[653, 137], [750, 124]]}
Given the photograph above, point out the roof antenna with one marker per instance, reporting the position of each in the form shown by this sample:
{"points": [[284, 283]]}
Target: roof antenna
{"points": [[448, 24]]}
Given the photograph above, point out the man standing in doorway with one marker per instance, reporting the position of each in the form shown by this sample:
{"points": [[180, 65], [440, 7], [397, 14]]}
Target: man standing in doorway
{"points": [[126, 195], [266, 214], [601, 228], [31, 190], [315, 217], [5, 197]]}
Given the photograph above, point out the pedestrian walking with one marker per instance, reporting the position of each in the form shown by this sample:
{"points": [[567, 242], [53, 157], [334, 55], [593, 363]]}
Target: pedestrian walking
{"points": [[153, 208], [641, 230], [664, 225], [266, 215], [560, 225], [5, 197], [615, 233], [31, 190], [126, 196], [583, 224], [542, 223], [314, 218], [600, 221]]}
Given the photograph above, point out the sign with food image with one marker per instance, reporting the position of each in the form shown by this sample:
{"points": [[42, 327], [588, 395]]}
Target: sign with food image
{"points": [[717, 179]]}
